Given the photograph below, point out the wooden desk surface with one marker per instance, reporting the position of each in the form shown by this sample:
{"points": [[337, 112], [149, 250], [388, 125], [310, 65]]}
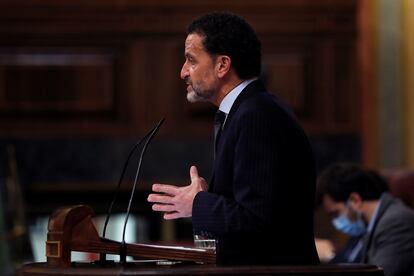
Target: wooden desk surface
{"points": [[36, 269]]}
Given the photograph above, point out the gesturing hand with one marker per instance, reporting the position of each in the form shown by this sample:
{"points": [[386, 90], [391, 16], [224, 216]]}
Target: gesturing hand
{"points": [[177, 202]]}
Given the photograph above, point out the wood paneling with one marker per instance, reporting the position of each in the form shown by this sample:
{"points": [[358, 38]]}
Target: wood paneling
{"points": [[112, 67], [367, 80], [42, 80], [408, 81]]}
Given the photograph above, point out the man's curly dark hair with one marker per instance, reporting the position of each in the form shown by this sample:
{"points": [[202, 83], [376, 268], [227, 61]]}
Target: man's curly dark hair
{"points": [[341, 179], [225, 33]]}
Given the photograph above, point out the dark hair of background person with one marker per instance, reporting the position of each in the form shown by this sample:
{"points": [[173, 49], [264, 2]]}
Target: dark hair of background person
{"points": [[225, 33], [340, 180]]}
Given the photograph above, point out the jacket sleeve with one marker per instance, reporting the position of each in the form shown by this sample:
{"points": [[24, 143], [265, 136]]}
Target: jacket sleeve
{"points": [[394, 247]]}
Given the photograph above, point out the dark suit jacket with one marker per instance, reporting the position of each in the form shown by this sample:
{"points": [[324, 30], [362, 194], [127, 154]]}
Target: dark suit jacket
{"points": [[390, 244], [344, 255], [261, 196]]}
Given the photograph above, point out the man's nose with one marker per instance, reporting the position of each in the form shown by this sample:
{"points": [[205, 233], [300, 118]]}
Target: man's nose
{"points": [[184, 71]]}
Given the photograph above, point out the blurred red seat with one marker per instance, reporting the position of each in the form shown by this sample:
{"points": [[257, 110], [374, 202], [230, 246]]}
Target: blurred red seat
{"points": [[401, 184]]}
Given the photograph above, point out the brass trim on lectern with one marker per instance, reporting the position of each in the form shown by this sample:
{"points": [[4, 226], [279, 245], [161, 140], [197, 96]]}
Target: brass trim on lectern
{"points": [[49, 249]]}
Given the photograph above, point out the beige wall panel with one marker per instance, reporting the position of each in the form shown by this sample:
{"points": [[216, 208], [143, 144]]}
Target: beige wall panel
{"points": [[408, 80]]}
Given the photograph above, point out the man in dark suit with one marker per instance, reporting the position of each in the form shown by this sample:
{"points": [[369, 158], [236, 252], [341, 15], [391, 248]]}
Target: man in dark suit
{"points": [[259, 204], [359, 205]]}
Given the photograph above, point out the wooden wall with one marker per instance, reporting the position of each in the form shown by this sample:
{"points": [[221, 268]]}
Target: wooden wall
{"points": [[81, 80], [408, 81], [93, 68]]}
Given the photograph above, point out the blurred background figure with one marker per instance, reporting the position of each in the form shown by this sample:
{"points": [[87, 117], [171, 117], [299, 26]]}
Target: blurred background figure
{"points": [[349, 250], [381, 227], [5, 263], [15, 246]]}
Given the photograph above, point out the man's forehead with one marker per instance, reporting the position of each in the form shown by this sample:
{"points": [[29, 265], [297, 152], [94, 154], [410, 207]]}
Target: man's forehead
{"points": [[328, 199], [194, 42]]}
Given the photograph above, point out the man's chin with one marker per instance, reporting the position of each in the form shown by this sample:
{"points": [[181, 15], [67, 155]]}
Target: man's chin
{"points": [[192, 97]]}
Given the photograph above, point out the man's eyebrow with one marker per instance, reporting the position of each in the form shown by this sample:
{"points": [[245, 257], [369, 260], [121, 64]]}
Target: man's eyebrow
{"points": [[188, 55]]}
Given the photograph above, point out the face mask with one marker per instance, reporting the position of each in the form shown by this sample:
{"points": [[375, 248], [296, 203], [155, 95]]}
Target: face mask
{"points": [[352, 228]]}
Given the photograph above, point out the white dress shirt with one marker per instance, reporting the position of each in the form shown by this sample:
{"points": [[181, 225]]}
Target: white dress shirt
{"points": [[231, 97]]}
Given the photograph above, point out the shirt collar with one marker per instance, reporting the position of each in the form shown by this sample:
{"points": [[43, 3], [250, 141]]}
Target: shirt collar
{"points": [[375, 215], [231, 97]]}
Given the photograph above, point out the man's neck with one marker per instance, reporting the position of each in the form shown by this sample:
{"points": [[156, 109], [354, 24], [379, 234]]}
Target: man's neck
{"points": [[368, 209], [230, 83]]}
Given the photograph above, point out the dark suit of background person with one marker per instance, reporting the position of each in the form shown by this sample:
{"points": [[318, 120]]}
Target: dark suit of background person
{"points": [[261, 196], [390, 244]]}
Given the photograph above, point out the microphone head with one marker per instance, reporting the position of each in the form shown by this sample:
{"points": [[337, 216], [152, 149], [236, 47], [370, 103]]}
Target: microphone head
{"points": [[160, 122]]}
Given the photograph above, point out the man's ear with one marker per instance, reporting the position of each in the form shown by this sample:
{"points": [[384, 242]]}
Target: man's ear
{"points": [[355, 200], [223, 65]]}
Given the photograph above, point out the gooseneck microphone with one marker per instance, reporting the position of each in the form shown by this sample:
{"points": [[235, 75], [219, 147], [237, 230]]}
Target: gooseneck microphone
{"points": [[122, 177], [123, 252], [147, 138]]}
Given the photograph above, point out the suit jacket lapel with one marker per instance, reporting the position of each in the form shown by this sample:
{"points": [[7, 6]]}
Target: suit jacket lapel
{"points": [[386, 201], [254, 87], [250, 90]]}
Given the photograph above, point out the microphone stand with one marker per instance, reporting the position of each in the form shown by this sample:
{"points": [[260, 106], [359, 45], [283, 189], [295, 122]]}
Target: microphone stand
{"points": [[147, 138], [123, 250]]}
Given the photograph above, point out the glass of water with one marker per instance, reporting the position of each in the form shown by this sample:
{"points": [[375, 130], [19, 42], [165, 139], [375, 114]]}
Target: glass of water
{"points": [[204, 242]]}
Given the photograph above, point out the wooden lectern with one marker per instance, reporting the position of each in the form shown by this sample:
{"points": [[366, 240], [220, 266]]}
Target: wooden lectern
{"points": [[71, 229]]}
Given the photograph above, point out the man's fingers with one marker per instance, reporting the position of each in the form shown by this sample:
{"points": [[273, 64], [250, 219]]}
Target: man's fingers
{"points": [[164, 188], [193, 173], [166, 199], [172, 215], [164, 208]]}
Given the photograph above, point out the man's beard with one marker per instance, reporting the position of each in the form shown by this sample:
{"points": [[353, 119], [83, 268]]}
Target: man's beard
{"points": [[197, 94]]}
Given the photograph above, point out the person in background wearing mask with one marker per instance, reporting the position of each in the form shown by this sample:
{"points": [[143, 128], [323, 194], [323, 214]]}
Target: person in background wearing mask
{"points": [[356, 200]]}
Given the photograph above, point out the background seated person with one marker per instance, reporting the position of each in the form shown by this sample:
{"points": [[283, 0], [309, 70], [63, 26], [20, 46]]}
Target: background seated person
{"points": [[356, 200], [350, 251]]}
